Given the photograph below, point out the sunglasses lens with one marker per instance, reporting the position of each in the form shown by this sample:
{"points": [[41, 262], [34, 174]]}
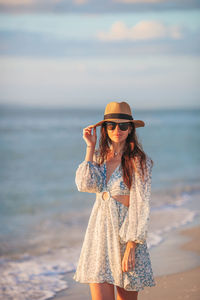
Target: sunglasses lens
{"points": [[123, 126], [112, 125]]}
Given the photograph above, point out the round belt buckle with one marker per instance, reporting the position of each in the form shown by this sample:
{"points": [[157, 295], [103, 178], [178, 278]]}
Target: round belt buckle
{"points": [[106, 196]]}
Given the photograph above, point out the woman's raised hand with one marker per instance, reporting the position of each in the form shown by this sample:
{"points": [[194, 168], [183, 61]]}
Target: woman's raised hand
{"points": [[89, 136]]}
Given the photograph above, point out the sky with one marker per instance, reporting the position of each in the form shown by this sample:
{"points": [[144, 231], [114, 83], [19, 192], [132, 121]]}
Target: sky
{"points": [[87, 53]]}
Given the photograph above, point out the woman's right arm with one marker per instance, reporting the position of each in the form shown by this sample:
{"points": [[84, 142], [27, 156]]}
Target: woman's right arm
{"points": [[89, 177]]}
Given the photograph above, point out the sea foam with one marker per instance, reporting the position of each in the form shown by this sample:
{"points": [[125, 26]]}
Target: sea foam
{"points": [[36, 277]]}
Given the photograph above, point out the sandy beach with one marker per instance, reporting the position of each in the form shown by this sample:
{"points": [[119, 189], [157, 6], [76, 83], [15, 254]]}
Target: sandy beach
{"points": [[180, 285]]}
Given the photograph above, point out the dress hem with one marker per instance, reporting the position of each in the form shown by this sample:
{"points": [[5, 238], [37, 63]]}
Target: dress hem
{"points": [[111, 282]]}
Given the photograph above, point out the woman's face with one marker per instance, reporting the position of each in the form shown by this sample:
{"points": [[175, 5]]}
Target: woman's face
{"points": [[116, 134]]}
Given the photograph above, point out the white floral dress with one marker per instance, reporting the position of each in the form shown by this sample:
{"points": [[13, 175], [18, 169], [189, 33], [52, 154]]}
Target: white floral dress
{"points": [[111, 225]]}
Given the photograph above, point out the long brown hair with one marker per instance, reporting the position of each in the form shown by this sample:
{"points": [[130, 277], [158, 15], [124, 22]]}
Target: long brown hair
{"points": [[133, 152]]}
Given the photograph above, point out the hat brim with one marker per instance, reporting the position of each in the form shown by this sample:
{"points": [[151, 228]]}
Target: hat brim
{"points": [[137, 123]]}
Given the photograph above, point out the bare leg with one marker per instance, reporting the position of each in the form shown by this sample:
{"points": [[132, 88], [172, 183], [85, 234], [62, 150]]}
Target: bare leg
{"points": [[102, 291], [126, 295]]}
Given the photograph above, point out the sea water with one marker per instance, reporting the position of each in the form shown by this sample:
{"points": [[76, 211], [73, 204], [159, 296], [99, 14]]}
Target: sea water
{"points": [[43, 217]]}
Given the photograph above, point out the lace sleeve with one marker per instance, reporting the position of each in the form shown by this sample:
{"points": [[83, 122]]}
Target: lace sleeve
{"points": [[89, 177], [135, 225]]}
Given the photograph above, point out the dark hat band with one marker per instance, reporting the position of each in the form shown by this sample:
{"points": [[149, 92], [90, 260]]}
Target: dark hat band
{"points": [[118, 116]]}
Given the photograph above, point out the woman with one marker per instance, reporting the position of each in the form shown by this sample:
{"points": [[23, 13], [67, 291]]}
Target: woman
{"points": [[114, 251]]}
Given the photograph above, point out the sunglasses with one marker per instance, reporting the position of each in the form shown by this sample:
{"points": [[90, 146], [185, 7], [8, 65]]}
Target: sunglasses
{"points": [[122, 126]]}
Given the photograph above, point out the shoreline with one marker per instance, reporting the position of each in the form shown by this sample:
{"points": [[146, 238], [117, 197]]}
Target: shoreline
{"points": [[175, 285]]}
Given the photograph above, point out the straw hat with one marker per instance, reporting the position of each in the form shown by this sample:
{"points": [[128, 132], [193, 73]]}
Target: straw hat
{"points": [[120, 112]]}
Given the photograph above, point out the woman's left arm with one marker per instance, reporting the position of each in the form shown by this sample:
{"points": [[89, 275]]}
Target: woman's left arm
{"points": [[135, 225], [143, 196], [134, 228]]}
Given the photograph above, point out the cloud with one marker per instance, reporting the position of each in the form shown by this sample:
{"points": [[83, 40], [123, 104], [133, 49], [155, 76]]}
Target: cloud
{"points": [[144, 30]]}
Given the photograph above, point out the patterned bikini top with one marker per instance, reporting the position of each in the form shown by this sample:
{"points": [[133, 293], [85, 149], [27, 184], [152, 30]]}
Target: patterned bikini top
{"points": [[115, 183]]}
